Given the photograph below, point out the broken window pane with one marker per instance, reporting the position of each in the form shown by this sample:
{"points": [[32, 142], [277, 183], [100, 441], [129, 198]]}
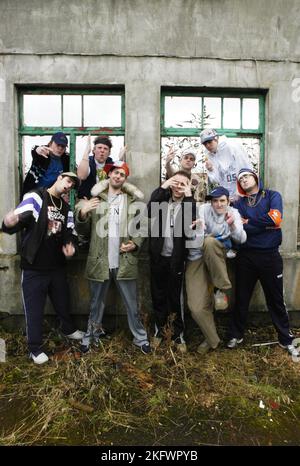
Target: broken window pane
{"points": [[212, 115], [232, 113], [252, 147], [250, 113], [102, 110], [72, 110], [42, 110], [183, 112], [182, 143]]}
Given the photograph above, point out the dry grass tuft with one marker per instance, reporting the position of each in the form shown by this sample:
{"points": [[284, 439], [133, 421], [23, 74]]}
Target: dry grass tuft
{"points": [[115, 394]]}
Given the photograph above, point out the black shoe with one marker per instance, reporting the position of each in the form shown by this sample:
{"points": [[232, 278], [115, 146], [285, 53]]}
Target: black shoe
{"points": [[146, 348], [84, 348]]}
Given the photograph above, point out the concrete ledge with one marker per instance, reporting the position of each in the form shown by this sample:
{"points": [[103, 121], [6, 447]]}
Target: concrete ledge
{"points": [[10, 289]]}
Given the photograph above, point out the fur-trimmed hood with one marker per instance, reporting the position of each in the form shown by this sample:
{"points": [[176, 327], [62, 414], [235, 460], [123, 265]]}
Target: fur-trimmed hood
{"points": [[127, 188]]}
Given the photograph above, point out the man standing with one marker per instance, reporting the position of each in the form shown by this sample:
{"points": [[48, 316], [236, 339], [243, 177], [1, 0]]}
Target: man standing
{"points": [[113, 252], [47, 163], [259, 259], [187, 163], [91, 168], [206, 269], [225, 159], [169, 217], [48, 240]]}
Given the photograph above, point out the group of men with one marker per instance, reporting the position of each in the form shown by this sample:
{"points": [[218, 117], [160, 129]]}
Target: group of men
{"points": [[186, 238]]}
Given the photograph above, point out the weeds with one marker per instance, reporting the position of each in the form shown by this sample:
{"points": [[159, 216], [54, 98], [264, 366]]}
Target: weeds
{"points": [[115, 394]]}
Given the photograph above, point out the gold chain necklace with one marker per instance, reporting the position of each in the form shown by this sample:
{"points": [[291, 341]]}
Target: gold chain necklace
{"points": [[59, 208]]}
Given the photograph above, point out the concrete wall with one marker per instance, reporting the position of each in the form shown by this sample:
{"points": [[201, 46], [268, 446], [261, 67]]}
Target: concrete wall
{"points": [[144, 45]]}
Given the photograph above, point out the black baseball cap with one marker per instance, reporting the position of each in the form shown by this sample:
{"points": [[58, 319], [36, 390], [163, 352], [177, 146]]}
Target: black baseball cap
{"points": [[60, 138]]}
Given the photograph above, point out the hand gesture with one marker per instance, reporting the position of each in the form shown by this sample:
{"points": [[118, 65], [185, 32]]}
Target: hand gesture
{"points": [[122, 153], [68, 250], [88, 205], [128, 247], [88, 148], [170, 183], [198, 224], [209, 165], [11, 219], [229, 218], [185, 188], [170, 155], [44, 151], [188, 188]]}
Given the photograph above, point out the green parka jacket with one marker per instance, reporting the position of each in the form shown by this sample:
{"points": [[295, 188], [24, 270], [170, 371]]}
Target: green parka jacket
{"points": [[97, 267]]}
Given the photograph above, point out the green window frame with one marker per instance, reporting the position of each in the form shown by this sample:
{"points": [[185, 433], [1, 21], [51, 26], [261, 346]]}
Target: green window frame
{"points": [[229, 132], [73, 131]]}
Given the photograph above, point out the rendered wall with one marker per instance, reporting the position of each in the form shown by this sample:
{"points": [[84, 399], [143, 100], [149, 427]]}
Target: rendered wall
{"points": [[144, 45]]}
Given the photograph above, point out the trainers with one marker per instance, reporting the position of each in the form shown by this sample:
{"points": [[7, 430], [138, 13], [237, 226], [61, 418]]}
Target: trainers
{"points": [[146, 348], [291, 350], [180, 345], [234, 342], [40, 358], [84, 348], [77, 335], [221, 301], [203, 348]]}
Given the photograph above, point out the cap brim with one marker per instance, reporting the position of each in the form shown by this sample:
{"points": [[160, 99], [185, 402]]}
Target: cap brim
{"points": [[209, 139]]}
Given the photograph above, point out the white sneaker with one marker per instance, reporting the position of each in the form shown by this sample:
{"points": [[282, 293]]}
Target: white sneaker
{"points": [[40, 358], [221, 301], [291, 350], [77, 335], [234, 342]]}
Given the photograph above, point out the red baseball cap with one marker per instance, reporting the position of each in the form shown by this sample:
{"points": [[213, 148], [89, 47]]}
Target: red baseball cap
{"points": [[118, 164]]}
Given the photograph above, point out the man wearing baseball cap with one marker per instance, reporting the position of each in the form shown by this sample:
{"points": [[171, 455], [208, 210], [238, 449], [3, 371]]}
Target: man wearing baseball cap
{"points": [[188, 161], [258, 259], [217, 225], [49, 239], [47, 163], [224, 160], [107, 218]]}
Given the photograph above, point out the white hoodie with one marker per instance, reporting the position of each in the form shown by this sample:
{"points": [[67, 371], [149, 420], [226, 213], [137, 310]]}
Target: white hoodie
{"points": [[216, 226], [227, 162]]}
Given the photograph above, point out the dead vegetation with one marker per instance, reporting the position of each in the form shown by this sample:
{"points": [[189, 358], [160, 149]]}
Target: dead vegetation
{"points": [[116, 395]]}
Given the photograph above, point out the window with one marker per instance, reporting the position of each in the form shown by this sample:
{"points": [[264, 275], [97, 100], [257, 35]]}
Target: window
{"points": [[76, 112], [237, 114]]}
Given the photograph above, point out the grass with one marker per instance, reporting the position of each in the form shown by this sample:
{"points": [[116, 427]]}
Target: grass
{"points": [[115, 395]]}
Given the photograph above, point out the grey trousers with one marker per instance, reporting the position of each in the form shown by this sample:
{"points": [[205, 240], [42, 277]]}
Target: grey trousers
{"points": [[128, 292]]}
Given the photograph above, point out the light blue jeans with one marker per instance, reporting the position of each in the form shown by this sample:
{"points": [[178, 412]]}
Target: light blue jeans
{"points": [[128, 292]]}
